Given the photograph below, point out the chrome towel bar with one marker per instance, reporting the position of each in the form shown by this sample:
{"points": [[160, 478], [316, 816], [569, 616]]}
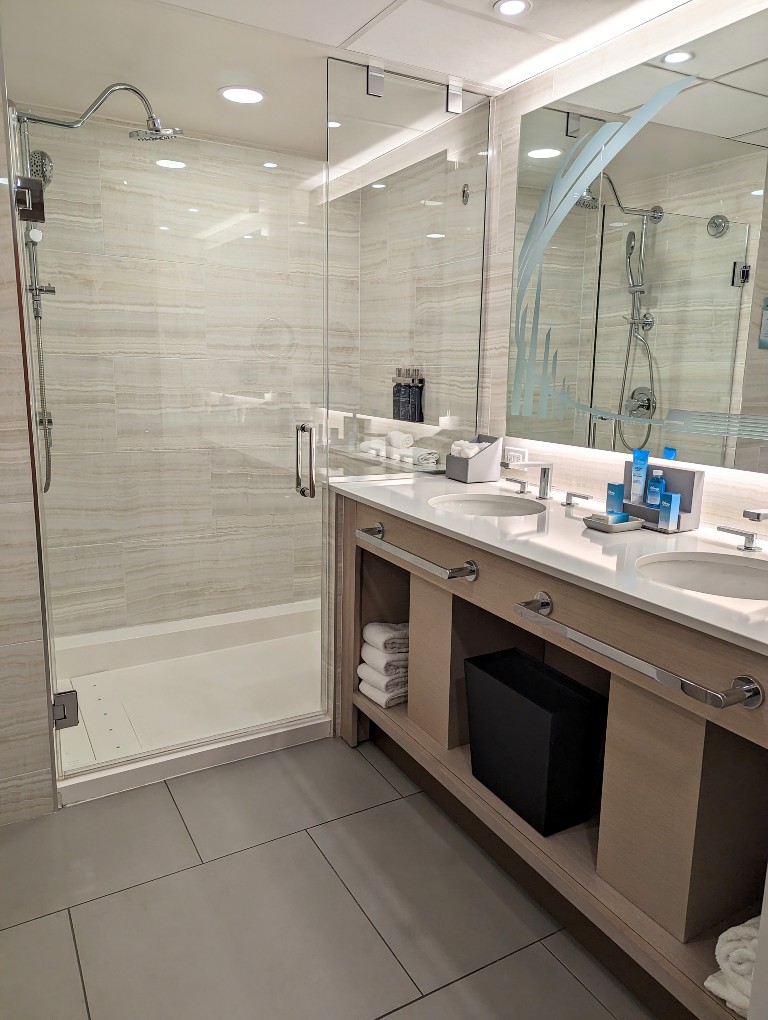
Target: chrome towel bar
{"points": [[375, 537], [745, 690]]}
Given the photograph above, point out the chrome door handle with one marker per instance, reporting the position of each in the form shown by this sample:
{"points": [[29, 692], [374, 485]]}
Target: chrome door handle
{"points": [[745, 690], [301, 488], [375, 536]]}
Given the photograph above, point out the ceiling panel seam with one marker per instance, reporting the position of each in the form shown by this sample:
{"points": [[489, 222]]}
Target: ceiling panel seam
{"points": [[389, 9]]}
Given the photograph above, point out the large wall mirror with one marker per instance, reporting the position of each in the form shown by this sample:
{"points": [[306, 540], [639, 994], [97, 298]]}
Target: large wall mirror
{"points": [[640, 304]]}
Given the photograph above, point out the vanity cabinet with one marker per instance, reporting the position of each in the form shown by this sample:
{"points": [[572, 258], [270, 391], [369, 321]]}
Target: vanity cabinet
{"points": [[679, 849]]}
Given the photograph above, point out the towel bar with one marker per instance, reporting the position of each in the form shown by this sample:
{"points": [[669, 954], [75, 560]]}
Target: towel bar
{"points": [[375, 536], [745, 690]]}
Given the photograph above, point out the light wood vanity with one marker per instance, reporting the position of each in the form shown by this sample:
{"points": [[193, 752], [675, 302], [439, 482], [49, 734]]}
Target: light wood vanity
{"points": [[679, 849]]}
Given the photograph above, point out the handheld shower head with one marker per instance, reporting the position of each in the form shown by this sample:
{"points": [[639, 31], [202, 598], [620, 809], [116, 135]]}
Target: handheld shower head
{"points": [[630, 244], [41, 166]]}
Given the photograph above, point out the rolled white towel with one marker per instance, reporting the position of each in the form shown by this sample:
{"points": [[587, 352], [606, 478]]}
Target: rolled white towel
{"points": [[375, 446], [399, 440], [388, 663], [736, 952], [420, 455], [387, 637], [463, 448], [381, 697], [389, 684]]}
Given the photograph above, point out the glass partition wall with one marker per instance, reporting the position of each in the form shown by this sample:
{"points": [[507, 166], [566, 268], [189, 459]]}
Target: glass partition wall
{"points": [[406, 220], [182, 346]]}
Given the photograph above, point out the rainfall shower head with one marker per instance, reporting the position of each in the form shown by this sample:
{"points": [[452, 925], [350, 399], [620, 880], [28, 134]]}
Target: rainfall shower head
{"points": [[41, 166], [155, 134], [587, 200]]}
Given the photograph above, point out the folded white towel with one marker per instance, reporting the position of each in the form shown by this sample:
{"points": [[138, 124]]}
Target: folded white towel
{"points": [[389, 684], [375, 446], [387, 637], [388, 663], [736, 952], [420, 455], [399, 440], [381, 697], [467, 450]]}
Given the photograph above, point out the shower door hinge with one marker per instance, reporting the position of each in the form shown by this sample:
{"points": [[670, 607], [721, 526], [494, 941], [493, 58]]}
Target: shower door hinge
{"points": [[65, 710], [740, 274]]}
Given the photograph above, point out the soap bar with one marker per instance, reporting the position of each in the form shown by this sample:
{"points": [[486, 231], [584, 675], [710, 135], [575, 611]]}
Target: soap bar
{"points": [[611, 518]]}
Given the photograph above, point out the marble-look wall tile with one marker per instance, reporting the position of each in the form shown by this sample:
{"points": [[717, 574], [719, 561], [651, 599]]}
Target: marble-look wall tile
{"points": [[105, 498], [183, 578], [308, 558], [25, 745], [251, 486], [15, 468], [20, 619], [264, 315], [387, 320], [108, 306], [26, 796], [175, 404], [447, 315], [86, 587], [81, 397]]}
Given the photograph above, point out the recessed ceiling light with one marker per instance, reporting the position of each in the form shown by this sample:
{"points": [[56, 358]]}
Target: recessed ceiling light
{"points": [[193, 210], [165, 228], [759, 192], [301, 223], [544, 153], [378, 185], [271, 166], [241, 94], [483, 152], [436, 236], [171, 164], [334, 123], [510, 8], [678, 57], [247, 237]]}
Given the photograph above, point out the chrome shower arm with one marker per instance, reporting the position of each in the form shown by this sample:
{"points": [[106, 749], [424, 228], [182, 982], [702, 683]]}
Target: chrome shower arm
{"points": [[153, 122], [655, 214]]}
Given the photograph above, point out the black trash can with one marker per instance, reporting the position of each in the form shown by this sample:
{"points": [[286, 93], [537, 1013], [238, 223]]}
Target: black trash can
{"points": [[536, 738]]}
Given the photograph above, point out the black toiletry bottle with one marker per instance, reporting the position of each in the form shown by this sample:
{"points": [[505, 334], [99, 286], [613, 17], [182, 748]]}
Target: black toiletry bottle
{"points": [[405, 396], [416, 408], [396, 393]]}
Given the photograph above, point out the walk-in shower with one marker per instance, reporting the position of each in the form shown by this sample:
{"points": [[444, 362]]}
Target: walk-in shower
{"points": [[38, 163], [641, 402]]}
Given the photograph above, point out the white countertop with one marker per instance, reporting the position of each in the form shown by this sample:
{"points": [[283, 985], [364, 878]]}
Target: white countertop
{"points": [[558, 543]]}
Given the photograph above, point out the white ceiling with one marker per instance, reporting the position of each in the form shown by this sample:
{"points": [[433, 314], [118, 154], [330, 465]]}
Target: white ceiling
{"points": [[464, 38]]}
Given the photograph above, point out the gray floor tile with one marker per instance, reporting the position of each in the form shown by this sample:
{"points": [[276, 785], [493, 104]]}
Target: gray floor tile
{"points": [[442, 905], [604, 986], [88, 850], [267, 933], [529, 984], [404, 786], [39, 976], [236, 806]]}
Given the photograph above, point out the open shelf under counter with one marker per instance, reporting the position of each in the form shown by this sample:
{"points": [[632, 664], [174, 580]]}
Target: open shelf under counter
{"points": [[568, 862]]}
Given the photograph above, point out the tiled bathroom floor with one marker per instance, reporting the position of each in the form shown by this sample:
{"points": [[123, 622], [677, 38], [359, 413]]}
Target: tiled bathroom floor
{"points": [[314, 883]]}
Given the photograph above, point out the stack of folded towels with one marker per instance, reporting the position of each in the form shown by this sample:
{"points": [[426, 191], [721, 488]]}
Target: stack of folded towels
{"points": [[384, 670], [466, 450], [736, 953]]}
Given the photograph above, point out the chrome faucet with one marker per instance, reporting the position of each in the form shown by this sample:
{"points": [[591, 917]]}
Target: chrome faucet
{"points": [[545, 476], [756, 515], [750, 538]]}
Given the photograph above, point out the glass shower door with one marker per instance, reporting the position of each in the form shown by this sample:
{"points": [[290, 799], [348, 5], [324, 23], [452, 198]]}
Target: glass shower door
{"points": [[183, 345]]}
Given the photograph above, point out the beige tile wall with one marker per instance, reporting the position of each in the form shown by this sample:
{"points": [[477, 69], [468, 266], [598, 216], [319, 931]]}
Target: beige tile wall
{"points": [[178, 361], [26, 782]]}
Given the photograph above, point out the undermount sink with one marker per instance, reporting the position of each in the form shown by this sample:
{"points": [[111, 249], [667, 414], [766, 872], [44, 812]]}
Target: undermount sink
{"points": [[734, 577], [487, 505]]}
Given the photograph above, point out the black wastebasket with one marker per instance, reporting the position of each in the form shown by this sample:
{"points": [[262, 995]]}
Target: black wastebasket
{"points": [[536, 738]]}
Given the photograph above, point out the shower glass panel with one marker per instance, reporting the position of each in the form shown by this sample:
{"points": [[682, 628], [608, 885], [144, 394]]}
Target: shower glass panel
{"points": [[406, 218], [183, 345], [693, 325]]}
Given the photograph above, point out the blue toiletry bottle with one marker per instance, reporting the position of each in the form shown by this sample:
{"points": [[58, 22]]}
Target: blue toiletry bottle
{"points": [[656, 488]]}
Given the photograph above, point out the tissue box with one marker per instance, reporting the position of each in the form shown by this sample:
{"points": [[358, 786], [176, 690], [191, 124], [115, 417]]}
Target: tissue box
{"points": [[485, 467]]}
